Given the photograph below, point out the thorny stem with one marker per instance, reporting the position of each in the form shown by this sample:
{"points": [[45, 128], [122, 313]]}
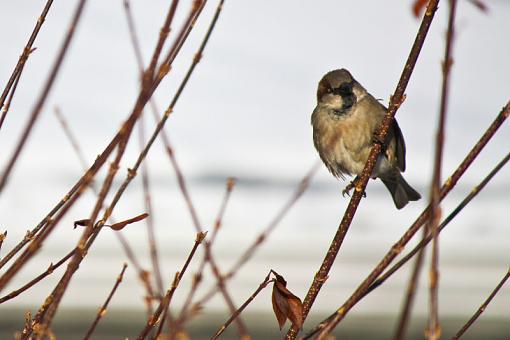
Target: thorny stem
{"points": [[395, 102], [18, 69], [482, 307], [395, 250], [102, 310]]}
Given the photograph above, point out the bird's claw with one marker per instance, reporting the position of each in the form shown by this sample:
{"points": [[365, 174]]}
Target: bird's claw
{"points": [[376, 139], [351, 186], [347, 189]]}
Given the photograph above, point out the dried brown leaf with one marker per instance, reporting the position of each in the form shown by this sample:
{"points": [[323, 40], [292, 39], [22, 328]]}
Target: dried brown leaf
{"points": [[285, 304], [419, 6], [82, 223], [122, 224]]}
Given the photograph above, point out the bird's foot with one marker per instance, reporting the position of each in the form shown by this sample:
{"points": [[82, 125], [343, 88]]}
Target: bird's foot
{"points": [[351, 186], [376, 139]]}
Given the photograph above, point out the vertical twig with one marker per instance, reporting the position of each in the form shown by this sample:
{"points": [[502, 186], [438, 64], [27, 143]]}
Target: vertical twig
{"points": [[102, 310], [395, 102], [150, 221], [482, 307], [434, 329], [12, 83]]}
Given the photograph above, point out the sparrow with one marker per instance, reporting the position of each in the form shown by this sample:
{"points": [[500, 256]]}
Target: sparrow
{"points": [[345, 122]]}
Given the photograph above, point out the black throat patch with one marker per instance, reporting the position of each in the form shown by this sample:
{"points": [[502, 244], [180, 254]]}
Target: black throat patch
{"points": [[348, 97]]}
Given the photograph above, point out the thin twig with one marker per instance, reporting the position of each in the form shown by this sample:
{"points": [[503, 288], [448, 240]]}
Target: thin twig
{"points": [[91, 232], [407, 306], [397, 248], [37, 279], [482, 307], [12, 83], [263, 236], [223, 327], [2, 238], [395, 102], [219, 218], [197, 278], [71, 137], [44, 94], [180, 177], [150, 221], [421, 245], [102, 310], [200, 238], [165, 303], [433, 331], [49, 223], [143, 275]]}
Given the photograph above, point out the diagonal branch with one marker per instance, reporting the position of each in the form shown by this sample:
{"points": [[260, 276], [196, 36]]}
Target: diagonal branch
{"points": [[482, 307], [102, 310], [18, 69], [397, 248], [395, 102], [44, 94]]}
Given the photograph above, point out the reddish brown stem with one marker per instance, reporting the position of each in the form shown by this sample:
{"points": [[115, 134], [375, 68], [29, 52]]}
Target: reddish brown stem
{"points": [[395, 102], [44, 94], [395, 250], [482, 307], [434, 329], [250, 251], [223, 327], [12, 83], [165, 303], [37, 279], [102, 310]]}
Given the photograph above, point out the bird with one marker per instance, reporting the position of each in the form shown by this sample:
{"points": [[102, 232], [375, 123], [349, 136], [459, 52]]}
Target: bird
{"points": [[345, 122]]}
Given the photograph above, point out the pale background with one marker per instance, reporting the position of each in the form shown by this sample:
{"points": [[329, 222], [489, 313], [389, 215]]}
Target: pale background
{"points": [[246, 113]]}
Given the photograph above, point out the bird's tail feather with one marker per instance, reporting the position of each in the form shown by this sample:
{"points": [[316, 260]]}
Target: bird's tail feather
{"points": [[400, 190]]}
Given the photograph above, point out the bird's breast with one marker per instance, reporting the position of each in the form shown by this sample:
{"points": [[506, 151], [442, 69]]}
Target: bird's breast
{"points": [[343, 144]]}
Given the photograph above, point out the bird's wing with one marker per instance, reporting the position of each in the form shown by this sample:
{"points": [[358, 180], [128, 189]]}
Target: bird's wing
{"points": [[400, 147]]}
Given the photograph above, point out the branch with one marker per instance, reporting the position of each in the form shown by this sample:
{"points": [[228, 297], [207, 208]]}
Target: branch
{"points": [[482, 307], [395, 102], [12, 83], [102, 310], [396, 249], [46, 90]]}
